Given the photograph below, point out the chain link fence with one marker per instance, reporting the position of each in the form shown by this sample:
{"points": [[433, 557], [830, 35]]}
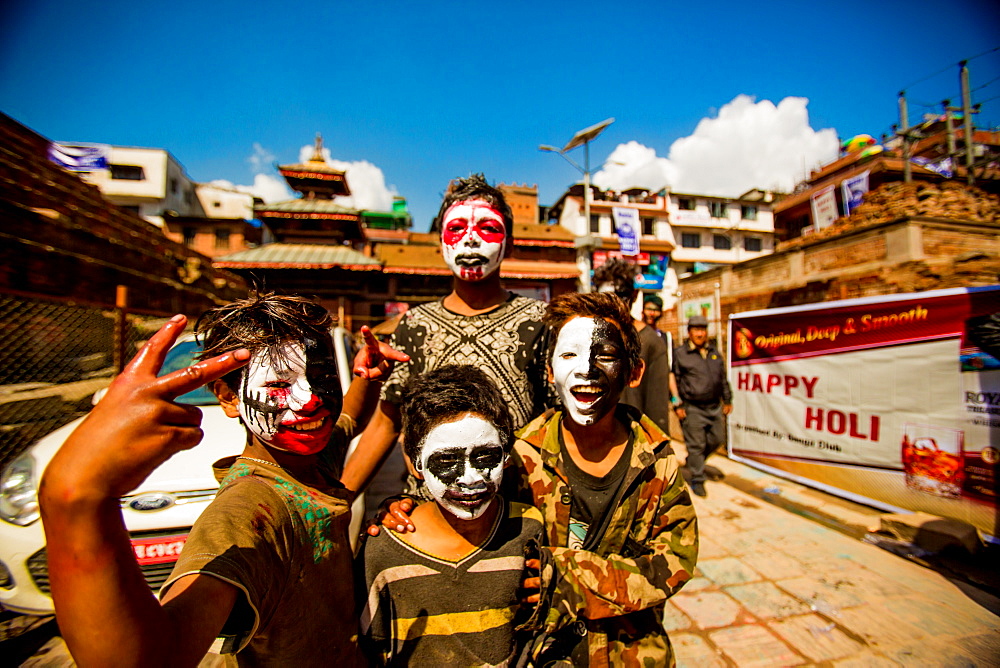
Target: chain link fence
{"points": [[53, 357]]}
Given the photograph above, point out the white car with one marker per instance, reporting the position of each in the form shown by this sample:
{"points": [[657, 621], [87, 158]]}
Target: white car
{"points": [[158, 514]]}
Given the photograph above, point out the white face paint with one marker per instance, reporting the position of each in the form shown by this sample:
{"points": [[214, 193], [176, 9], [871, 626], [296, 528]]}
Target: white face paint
{"points": [[292, 402], [473, 239], [588, 367], [462, 464]]}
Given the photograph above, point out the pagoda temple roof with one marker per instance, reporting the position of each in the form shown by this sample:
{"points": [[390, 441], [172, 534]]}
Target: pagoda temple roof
{"points": [[326, 207], [298, 256]]}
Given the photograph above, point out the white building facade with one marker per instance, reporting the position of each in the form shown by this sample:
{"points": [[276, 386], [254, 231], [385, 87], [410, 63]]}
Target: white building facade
{"points": [[715, 231], [679, 235]]}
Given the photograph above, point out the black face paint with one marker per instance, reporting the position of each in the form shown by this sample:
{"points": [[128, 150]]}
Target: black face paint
{"points": [[449, 465], [321, 372], [265, 409], [607, 358]]}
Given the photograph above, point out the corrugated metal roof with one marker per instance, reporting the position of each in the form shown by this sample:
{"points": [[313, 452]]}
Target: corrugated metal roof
{"points": [[298, 256], [511, 268]]}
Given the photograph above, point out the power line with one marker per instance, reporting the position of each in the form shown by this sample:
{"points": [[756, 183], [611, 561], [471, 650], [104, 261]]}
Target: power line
{"points": [[948, 67]]}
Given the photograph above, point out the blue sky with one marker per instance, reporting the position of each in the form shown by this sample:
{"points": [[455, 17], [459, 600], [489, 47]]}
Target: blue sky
{"points": [[430, 91]]}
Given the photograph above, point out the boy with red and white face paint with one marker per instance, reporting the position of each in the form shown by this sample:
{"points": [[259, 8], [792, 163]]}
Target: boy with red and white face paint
{"points": [[473, 239], [479, 323], [265, 572], [290, 401]]}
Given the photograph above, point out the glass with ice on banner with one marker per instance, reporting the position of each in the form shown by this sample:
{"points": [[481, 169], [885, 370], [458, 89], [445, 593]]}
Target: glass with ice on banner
{"points": [[932, 459]]}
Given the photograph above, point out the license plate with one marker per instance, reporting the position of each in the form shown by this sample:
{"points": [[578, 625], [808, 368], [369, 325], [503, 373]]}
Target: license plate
{"points": [[158, 550]]}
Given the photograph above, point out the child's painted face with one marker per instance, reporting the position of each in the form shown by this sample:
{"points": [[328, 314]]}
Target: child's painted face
{"points": [[473, 239], [462, 464], [588, 368], [292, 405]]}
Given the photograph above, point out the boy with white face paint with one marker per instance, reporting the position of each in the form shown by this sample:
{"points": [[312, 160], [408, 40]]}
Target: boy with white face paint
{"points": [[448, 594], [266, 569]]}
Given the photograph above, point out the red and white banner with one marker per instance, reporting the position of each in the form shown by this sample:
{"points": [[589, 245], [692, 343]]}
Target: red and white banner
{"points": [[893, 400], [824, 207]]}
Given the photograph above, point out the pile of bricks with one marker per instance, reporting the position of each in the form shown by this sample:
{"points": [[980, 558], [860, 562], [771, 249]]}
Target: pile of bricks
{"points": [[950, 200]]}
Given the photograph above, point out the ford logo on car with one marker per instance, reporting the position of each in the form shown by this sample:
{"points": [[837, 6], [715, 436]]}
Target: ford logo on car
{"points": [[150, 502]]}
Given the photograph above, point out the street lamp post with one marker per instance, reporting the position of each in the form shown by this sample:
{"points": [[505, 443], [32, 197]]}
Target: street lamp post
{"points": [[586, 243]]}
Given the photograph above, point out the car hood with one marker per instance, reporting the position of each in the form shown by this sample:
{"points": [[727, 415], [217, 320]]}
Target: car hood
{"points": [[187, 470]]}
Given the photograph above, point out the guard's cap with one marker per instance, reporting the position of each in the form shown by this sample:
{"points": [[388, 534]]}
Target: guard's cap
{"points": [[697, 321]]}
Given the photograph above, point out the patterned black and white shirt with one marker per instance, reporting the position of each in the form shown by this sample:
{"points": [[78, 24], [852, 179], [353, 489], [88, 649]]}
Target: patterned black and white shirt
{"points": [[508, 344]]}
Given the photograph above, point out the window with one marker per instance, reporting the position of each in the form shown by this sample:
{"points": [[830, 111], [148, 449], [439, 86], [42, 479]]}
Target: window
{"points": [[173, 186], [648, 225], [222, 238], [189, 233], [718, 210], [595, 223], [690, 240], [748, 212], [127, 172], [753, 244], [685, 204], [216, 204], [134, 208], [721, 242]]}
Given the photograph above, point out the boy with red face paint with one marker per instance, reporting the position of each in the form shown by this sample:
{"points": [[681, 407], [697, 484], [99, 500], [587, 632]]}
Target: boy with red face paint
{"points": [[478, 324], [266, 569]]}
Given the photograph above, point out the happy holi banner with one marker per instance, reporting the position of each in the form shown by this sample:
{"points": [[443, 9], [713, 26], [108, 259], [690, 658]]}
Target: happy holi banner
{"points": [[893, 401]]}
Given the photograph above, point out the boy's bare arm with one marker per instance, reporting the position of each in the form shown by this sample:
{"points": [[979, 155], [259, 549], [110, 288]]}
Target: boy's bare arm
{"points": [[106, 612], [373, 448], [372, 365]]}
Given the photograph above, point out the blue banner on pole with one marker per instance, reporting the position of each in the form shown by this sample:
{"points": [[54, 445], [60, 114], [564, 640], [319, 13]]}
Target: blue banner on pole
{"points": [[626, 224]]}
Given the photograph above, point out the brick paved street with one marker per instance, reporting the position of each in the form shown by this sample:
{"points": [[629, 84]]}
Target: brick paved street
{"points": [[773, 588]]}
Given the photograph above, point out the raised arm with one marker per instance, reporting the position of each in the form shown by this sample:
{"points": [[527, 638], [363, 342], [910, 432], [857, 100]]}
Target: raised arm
{"points": [[376, 442], [372, 365], [107, 614]]}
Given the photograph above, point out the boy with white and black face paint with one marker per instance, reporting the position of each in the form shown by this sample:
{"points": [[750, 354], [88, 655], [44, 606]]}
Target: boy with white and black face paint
{"points": [[620, 526], [460, 573], [622, 534]]}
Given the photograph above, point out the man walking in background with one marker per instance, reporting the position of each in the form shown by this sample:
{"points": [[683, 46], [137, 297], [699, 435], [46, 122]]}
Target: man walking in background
{"points": [[701, 398], [652, 311]]}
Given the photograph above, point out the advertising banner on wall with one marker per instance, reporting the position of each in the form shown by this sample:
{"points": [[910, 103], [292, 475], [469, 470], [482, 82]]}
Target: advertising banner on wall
{"points": [[824, 207], [893, 400], [853, 190]]}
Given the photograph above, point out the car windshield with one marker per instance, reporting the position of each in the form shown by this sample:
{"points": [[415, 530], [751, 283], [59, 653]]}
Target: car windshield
{"points": [[180, 356]]}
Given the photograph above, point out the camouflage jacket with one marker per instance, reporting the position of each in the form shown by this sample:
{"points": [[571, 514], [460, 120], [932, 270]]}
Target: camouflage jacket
{"points": [[613, 596]]}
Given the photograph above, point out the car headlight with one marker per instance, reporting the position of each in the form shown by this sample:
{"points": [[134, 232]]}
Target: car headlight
{"points": [[18, 495]]}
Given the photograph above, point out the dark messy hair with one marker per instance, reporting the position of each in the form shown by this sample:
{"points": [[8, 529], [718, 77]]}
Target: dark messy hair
{"points": [[602, 305], [476, 187], [446, 393], [262, 321], [621, 275]]}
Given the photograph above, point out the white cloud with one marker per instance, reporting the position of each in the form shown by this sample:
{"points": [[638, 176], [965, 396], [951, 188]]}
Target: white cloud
{"points": [[266, 186], [366, 181], [747, 145]]}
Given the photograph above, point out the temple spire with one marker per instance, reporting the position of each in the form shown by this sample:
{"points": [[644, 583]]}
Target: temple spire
{"points": [[318, 151]]}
